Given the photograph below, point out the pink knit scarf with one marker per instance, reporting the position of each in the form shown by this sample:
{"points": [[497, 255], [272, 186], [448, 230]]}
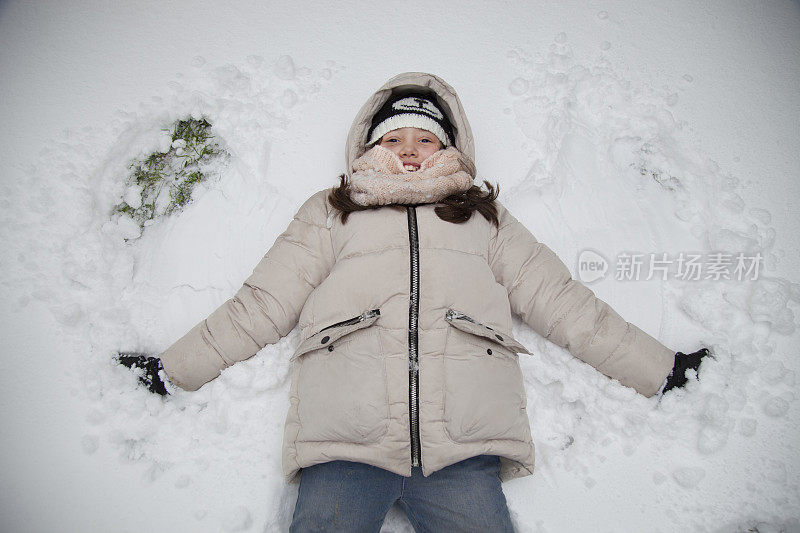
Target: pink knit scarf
{"points": [[380, 179]]}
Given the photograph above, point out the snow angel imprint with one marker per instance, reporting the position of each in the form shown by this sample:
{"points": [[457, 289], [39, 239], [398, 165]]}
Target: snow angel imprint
{"points": [[403, 279]]}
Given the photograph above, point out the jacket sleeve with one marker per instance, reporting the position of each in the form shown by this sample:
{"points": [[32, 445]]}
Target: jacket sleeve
{"points": [[542, 292], [266, 308]]}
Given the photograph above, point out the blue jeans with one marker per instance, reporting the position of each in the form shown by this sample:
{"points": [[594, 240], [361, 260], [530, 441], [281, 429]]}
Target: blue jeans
{"points": [[355, 497]]}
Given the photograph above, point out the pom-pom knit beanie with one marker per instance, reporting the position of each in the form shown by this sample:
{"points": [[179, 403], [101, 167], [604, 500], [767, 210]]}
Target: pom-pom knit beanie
{"points": [[410, 109]]}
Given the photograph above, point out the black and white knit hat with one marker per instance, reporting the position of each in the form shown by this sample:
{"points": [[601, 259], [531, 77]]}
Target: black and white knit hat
{"points": [[410, 110]]}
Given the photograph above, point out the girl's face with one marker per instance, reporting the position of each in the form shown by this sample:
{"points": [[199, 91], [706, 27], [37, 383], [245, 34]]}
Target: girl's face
{"points": [[412, 146]]}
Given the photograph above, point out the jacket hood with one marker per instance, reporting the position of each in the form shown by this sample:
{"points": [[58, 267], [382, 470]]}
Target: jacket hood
{"points": [[445, 95]]}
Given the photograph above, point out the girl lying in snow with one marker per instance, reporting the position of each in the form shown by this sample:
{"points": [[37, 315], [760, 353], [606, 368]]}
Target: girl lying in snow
{"points": [[406, 386]]}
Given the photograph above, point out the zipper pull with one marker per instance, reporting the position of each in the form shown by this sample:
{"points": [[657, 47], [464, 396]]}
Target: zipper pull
{"points": [[451, 315]]}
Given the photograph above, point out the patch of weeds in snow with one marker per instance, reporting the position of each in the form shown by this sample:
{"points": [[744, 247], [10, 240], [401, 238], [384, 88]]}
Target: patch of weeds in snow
{"points": [[162, 183]]}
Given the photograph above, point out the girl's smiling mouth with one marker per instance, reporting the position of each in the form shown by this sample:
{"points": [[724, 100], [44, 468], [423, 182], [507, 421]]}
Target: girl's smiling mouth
{"points": [[411, 167]]}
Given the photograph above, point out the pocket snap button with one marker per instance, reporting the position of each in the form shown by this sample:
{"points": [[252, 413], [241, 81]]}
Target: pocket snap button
{"points": [[330, 348], [489, 351], [325, 339]]}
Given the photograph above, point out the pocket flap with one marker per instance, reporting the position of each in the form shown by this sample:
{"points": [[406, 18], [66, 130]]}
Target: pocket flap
{"points": [[470, 325], [327, 335]]}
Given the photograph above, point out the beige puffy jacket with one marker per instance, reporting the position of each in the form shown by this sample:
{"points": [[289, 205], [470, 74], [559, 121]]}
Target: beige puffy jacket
{"points": [[406, 353]]}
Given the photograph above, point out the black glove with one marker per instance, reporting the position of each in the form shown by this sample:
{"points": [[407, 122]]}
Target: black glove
{"points": [[149, 367], [683, 362]]}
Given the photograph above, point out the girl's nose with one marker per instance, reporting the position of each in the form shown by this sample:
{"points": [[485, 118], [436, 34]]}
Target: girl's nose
{"points": [[408, 149]]}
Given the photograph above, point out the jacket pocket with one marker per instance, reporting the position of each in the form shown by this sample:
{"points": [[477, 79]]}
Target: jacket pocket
{"points": [[484, 394], [341, 383], [329, 334]]}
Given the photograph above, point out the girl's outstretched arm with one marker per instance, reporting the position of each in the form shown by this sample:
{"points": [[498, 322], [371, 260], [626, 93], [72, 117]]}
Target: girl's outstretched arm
{"points": [[542, 292], [266, 308]]}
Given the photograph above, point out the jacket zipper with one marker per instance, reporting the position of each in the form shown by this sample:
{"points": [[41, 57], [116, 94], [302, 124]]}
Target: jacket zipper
{"points": [[355, 320], [413, 338]]}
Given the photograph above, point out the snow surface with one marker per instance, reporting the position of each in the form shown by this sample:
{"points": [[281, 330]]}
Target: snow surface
{"points": [[646, 127]]}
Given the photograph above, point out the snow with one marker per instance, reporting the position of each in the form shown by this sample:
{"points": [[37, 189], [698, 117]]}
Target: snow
{"points": [[659, 128]]}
